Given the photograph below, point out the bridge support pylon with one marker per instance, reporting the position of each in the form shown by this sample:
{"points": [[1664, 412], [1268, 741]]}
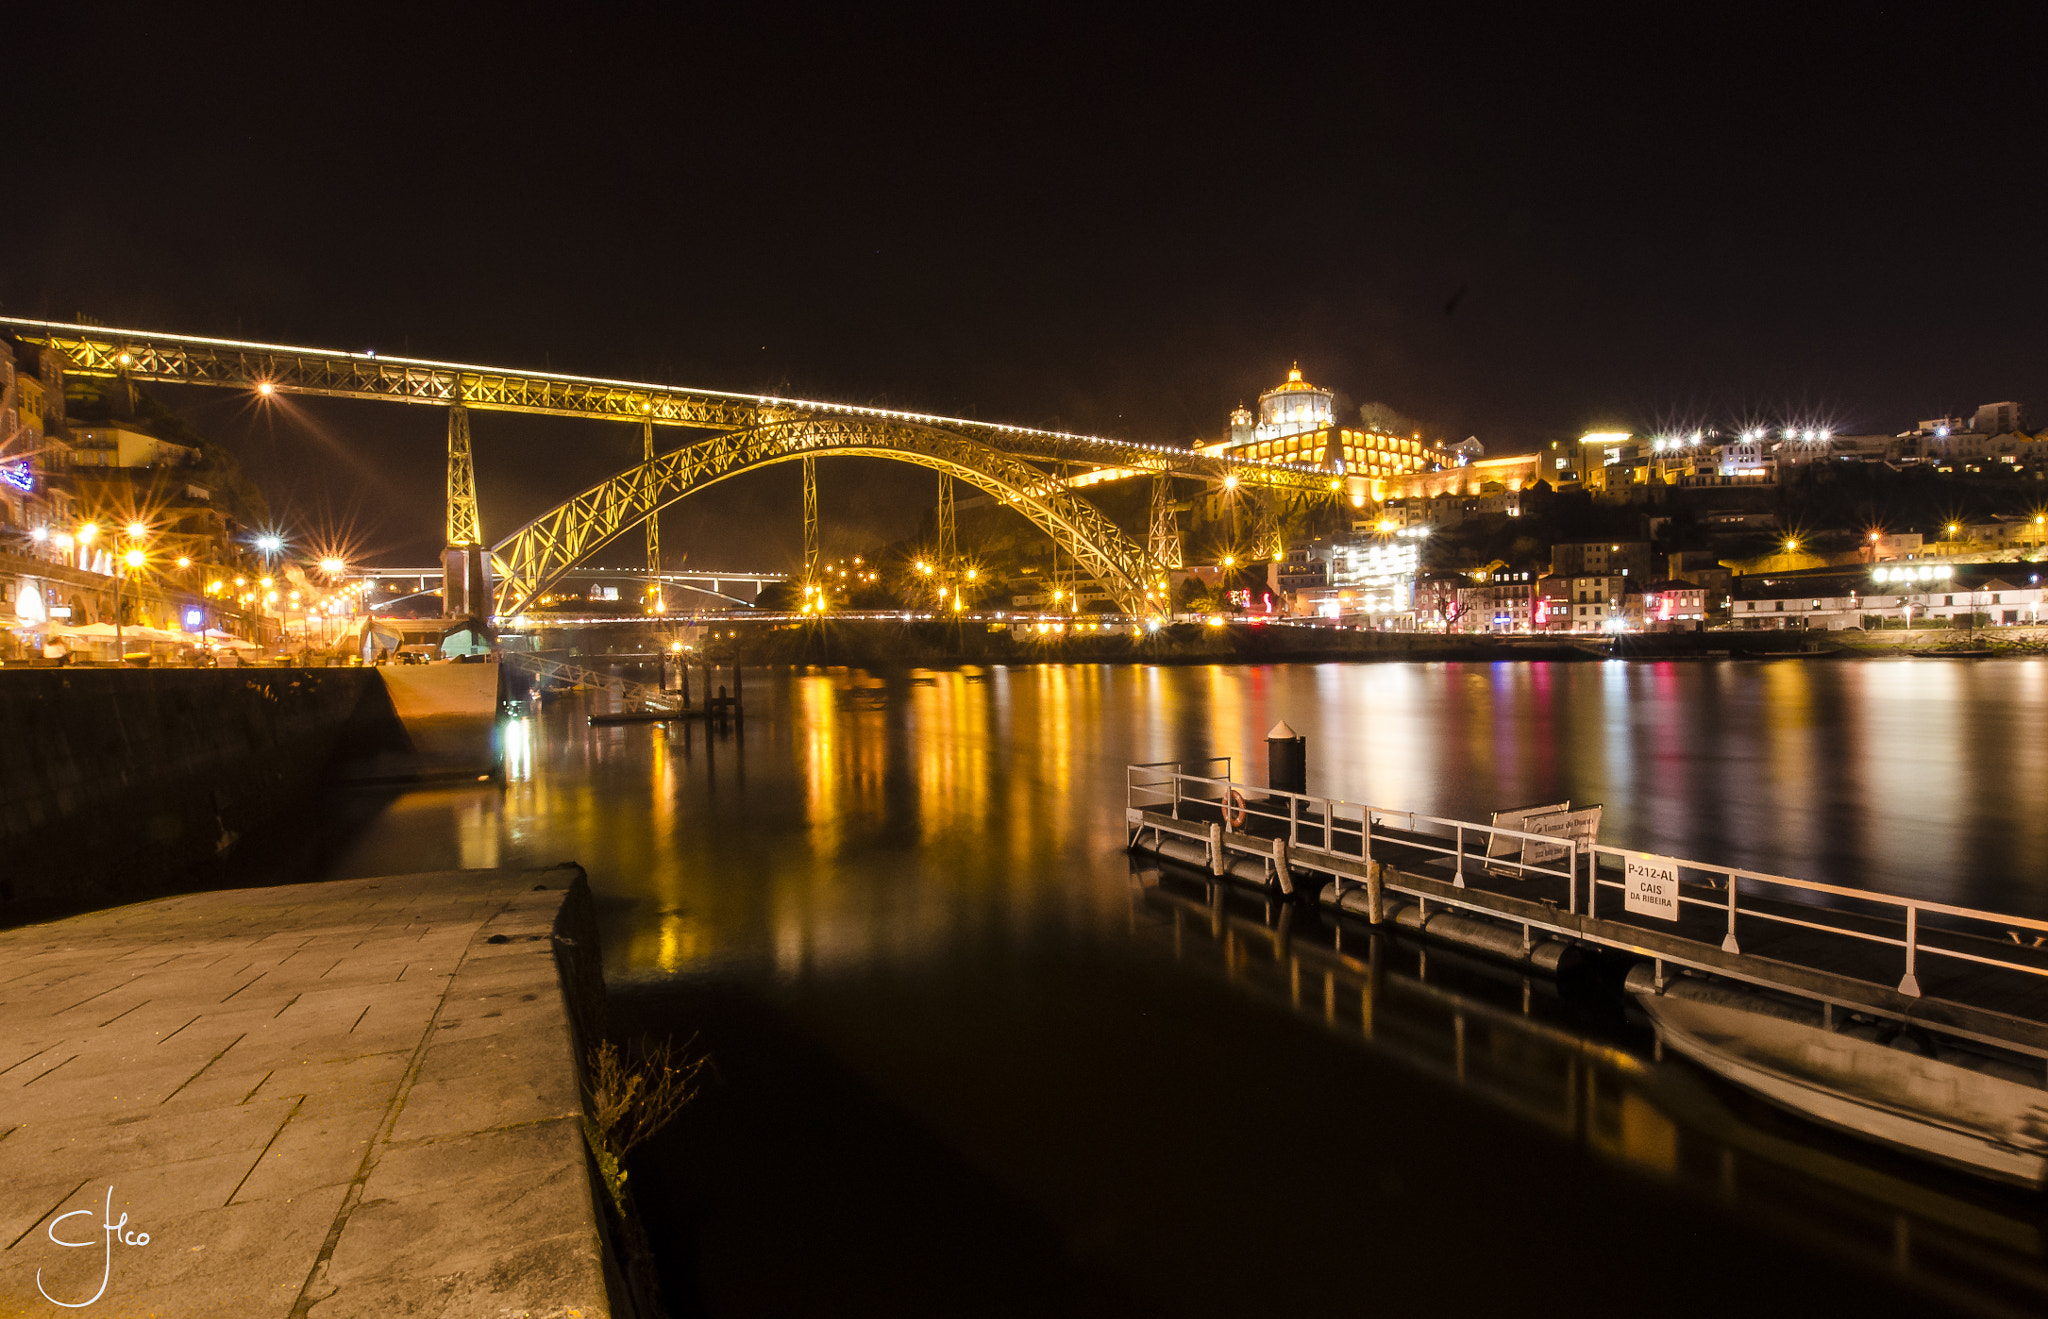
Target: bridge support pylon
{"points": [[466, 586], [655, 603], [1162, 547]]}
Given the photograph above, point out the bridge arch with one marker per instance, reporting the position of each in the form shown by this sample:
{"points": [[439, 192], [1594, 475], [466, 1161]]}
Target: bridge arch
{"points": [[537, 555]]}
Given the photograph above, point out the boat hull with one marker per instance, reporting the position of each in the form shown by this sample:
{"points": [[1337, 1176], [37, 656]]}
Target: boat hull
{"points": [[1951, 1114]]}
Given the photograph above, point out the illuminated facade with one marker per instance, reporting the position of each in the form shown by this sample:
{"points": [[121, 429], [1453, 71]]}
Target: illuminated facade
{"points": [[1296, 423]]}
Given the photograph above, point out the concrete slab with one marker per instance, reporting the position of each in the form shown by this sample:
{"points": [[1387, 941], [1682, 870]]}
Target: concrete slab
{"points": [[320, 1099]]}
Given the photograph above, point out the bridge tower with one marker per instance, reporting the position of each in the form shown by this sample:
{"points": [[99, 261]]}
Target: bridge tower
{"points": [[656, 604], [949, 544], [1266, 541], [810, 521], [465, 562], [1162, 546]]}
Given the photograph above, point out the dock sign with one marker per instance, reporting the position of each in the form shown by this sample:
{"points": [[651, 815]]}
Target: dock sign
{"points": [[1651, 886]]}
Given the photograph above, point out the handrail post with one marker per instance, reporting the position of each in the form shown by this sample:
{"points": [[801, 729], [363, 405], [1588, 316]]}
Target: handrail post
{"points": [[1571, 879], [1176, 793], [1293, 820], [1910, 986], [1458, 879], [1728, 945], [1364, 835], [1592, 883]]}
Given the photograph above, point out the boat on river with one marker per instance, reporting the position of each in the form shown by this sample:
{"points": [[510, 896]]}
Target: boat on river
{"points": [[1970, 1112]]}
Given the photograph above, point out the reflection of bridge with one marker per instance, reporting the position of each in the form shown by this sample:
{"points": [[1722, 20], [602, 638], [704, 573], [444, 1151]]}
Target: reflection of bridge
{"points": [[1032, 471]]}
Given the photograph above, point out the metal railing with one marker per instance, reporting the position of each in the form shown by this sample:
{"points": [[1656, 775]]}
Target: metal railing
{"points": [[1810, 905], [1318, 828]]}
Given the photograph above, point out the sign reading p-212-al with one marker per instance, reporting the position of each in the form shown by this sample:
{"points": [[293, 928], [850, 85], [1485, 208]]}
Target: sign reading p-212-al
{"points": [[1650, 886]]}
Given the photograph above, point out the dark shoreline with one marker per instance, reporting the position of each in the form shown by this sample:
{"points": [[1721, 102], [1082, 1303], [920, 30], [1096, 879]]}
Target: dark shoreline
{"points": [[889, 646]]}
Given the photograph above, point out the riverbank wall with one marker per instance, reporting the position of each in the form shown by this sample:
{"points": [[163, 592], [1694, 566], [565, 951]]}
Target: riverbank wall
{"points": [[118, 785], [883, 645]]}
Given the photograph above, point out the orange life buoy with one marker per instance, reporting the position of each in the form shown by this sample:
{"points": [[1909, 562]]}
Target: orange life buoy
{"points": [[1233, 810]]}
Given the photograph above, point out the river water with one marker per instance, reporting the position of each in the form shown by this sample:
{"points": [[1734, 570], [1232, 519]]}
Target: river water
{"points": [[968, 1056]]}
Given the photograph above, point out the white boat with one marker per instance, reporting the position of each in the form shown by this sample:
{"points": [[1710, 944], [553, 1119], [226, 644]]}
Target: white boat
{"points": [[1960, 1115]]}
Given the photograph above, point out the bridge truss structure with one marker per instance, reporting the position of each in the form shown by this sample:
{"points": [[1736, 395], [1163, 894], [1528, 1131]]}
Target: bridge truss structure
{"points": [[1022, 467]]}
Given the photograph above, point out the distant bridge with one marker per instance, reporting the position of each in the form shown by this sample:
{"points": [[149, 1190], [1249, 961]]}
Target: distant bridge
{"points": [[1027, 469]]}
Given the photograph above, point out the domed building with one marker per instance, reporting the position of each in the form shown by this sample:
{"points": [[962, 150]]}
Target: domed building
{"points": [[1294, 408]]}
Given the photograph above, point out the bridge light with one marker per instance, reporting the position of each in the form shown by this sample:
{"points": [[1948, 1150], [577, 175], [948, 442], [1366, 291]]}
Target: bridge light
{"points": [[1230, 482], [136, 531], [134, 558], [184, 561], [332, 566], [265, 388]]}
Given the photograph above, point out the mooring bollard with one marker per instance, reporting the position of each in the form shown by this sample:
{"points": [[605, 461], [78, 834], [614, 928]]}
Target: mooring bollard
{"points": [[1215, 849], [1280, 869], [1286, 759]]}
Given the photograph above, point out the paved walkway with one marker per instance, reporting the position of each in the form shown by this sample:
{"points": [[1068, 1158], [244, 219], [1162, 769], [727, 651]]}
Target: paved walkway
{"points": [[322, 1100]]}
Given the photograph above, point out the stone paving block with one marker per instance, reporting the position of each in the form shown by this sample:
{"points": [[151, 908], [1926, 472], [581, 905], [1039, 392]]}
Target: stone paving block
{"points": [[529, 1181]]}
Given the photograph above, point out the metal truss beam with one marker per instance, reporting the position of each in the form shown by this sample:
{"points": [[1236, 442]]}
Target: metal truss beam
{"points": [[533, 558], [149, 356]]}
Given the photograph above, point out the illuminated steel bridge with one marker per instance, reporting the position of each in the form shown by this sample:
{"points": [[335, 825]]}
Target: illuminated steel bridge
{"points": [[1036, 472]]}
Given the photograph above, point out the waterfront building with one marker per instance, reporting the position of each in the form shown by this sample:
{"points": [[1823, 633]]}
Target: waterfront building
{"points": [[1670, 604], [1581, 603], [1501, 600], [1365, 579]]}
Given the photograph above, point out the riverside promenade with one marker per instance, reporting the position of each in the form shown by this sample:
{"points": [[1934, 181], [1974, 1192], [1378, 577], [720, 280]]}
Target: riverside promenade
{"points": [[325, 1100]]}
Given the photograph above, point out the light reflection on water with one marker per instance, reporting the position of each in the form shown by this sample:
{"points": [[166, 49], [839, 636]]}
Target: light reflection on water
{"points": [[898, 861], [857, 817]]}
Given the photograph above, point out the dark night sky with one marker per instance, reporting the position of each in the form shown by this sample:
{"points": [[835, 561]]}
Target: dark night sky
{"points": [[1515, 227]]}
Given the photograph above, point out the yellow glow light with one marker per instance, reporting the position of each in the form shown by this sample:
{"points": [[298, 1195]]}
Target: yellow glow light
{"points": [[265, 388], [136, 531], [1230, 482], [184, 561], [134, 558], [87, 532]]}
